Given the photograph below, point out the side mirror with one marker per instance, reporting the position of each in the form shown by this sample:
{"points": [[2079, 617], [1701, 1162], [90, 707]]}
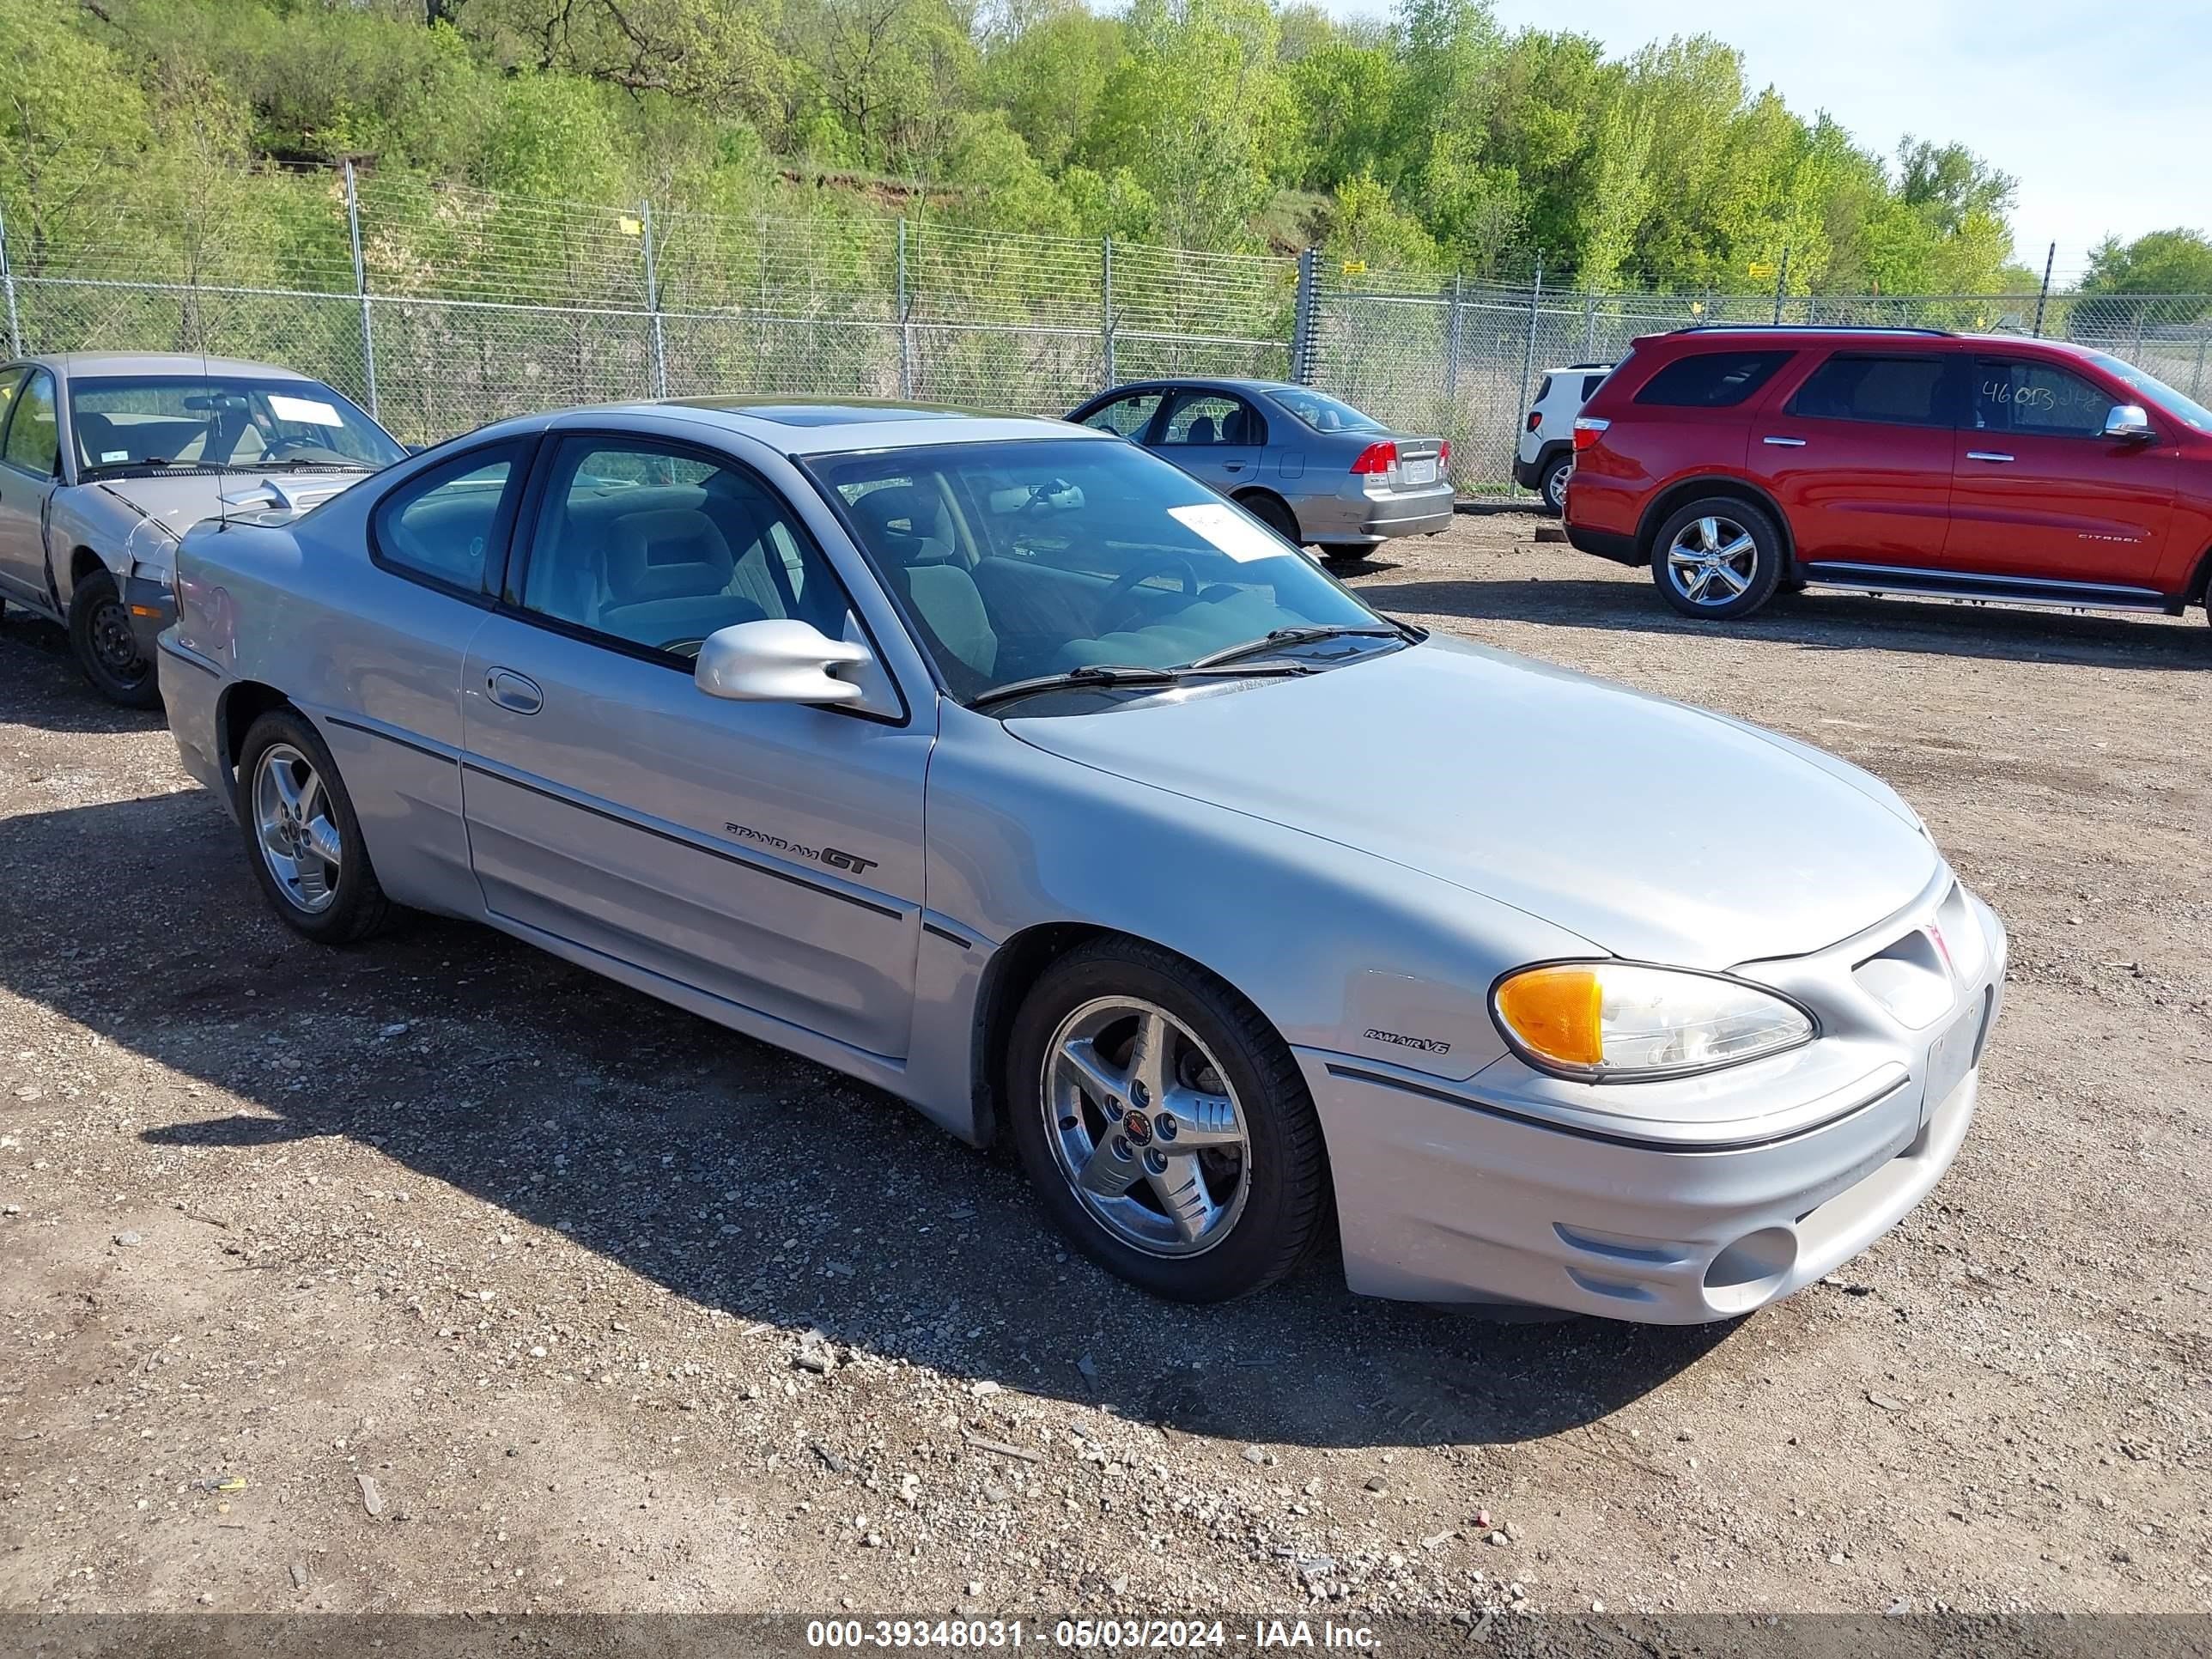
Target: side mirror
{"points": [[781, 659], [2129, 423]]}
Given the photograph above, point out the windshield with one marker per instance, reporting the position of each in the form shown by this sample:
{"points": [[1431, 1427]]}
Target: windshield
{"points": [[1020, 560], [168, 420], [1323, 412], [2183, 408]]}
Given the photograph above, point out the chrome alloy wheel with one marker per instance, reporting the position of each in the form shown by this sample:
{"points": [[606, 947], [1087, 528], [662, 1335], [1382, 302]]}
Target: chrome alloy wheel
{"points": [[1143, 1124], [300, 839], [1712, 561]]}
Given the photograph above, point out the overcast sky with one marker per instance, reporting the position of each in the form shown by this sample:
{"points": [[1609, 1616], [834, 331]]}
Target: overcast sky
{"points": [[2100, 111]]}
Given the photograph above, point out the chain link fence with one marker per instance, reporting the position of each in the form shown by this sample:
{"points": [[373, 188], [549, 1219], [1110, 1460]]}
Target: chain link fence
{"points": [[441, 307]]}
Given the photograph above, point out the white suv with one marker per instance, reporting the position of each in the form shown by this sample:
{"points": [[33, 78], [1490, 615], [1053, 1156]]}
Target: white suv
{"points": [[1546, 452]]}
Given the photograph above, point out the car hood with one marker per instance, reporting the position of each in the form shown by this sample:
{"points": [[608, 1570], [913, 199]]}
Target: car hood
{"points": [[1655, 830], [176, 503]]}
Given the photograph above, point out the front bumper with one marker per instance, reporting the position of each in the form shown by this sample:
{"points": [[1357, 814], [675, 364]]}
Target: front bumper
{"points": [[1464, 1192], [152, 606]]}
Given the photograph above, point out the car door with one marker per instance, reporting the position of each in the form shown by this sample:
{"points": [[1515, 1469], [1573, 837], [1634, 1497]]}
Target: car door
{"points": [[387, 655], [767, 855], [1214, 435], [1859, 457], [30, 469], [2040, 495]]}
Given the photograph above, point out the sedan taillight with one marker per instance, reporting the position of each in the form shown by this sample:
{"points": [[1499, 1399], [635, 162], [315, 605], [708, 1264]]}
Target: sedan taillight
{"points": [[1587, 428], [1443, 454], [1376, 458]]}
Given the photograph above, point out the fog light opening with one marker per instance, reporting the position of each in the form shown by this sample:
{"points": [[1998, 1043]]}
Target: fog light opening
{"points": [[1747, 1272]]}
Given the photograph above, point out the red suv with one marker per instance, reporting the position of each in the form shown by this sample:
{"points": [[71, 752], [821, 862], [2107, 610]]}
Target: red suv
{"points": [[1737, 460]]}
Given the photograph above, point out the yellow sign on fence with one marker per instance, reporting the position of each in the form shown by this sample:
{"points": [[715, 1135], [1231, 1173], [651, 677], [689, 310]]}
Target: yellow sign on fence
{"points": [[1760, 269]]}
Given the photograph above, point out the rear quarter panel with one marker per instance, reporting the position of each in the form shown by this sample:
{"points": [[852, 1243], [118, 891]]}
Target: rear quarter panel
{"points": [[372, 659], [1648, 448]]}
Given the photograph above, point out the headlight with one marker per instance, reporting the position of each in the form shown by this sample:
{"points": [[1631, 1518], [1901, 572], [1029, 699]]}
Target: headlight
{"points": [[1607, 1020]]}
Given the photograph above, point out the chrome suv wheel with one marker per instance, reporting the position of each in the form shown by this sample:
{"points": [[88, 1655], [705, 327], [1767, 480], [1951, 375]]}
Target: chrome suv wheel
{"points": [[1718, 558]]}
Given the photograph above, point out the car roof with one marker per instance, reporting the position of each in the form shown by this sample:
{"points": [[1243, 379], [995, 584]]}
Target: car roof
{"points": [[822, 426], [1800, 335], [1226, 382], [157, 363]]}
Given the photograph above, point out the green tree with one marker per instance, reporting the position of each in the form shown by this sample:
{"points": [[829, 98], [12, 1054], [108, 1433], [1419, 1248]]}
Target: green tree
{"points": [[2163, 262], [72, 123], [1194, 112]]}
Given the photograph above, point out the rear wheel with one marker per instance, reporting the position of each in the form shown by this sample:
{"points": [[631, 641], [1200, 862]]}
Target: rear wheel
{"points": [[99, 636], [1274, 513], [1554, 482], [1718, 558], [302, 834], [1164, 1124]]}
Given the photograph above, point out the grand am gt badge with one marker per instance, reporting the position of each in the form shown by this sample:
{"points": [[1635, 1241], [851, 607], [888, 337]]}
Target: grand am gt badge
{"points": [[851, 863]]}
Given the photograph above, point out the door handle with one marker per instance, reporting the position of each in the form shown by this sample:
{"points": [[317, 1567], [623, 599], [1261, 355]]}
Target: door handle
{"points": [[1785, 443], [1991, 455], [516, 691], [1233, 466]]}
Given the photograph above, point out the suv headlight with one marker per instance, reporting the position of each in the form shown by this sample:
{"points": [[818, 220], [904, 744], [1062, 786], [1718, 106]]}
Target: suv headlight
{"points": [[1609, 1021]]}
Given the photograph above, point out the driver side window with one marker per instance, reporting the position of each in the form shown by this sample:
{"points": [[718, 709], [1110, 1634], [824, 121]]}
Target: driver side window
{"points": [[659, 546], [33, 441]]}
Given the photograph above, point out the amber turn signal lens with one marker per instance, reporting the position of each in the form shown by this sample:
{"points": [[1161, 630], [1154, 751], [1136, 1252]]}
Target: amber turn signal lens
{"points": [[1556, 1013]]}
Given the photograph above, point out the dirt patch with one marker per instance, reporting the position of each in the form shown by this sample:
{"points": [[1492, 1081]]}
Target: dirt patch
{"points": [[616, 1310]]}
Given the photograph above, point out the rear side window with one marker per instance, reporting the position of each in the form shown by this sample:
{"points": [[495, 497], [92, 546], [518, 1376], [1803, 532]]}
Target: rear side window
{"points": [[1711, 380], [1128, 416], [441, 525], [1544, 390], [1590, 384], [1894, 390]]}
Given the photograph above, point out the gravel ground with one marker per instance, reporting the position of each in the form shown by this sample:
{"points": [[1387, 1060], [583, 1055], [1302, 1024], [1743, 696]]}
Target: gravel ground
{"points": [[437, 1275]]}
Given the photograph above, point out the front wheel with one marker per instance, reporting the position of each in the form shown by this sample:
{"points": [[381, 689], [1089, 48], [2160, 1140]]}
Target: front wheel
{"points": [[1554, 485], [303, 833], [99, 636], [1717, 559], [1164, 1124]]}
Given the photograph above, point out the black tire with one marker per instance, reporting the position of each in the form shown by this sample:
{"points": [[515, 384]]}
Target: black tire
{"points": [[1286, 1193], [99, 638], [1733, 521], [1553, 484], [1344, 558], [357, 907], [1273, 512]]}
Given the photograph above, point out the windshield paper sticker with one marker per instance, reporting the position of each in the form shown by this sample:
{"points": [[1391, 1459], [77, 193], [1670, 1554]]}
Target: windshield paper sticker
{"points": [[312, 410], [1230, 531]]}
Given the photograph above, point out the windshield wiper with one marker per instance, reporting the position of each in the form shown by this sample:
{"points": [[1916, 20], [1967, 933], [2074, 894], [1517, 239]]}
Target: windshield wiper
{"points": [[1107, 673], [1307, 635], [301, 467]]}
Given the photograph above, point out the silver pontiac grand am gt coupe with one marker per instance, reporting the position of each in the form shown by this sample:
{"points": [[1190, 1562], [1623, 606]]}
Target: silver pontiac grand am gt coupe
{"points": [[107, 458], [1002, 765]]}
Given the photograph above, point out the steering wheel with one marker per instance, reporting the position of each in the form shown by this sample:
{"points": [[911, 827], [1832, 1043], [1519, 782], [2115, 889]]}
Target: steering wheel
{"points": [[1115, 599]]}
